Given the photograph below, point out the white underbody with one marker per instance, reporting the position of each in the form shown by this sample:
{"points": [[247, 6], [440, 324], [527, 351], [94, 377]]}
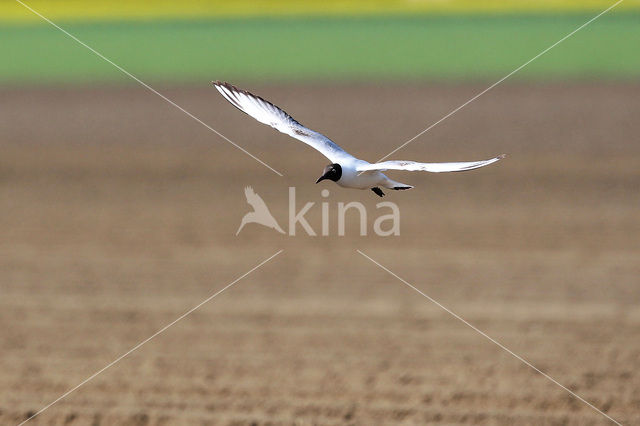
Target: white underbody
{"points": [[351, 178]]}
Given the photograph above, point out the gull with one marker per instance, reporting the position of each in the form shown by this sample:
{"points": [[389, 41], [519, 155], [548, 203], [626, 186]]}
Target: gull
{"points": [[345, 169]]}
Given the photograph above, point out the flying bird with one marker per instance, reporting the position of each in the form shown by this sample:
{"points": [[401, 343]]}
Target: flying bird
{"points": [[345, 169], [260, 213]]}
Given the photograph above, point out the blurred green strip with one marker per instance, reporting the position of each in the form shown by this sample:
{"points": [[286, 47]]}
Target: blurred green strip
{"points": [[470, 47]]}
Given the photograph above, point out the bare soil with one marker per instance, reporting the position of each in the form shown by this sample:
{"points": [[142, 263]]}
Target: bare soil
{"points": [[118, 214]]}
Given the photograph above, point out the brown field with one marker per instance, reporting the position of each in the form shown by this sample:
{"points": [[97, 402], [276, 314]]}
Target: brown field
{"points": [[118, 214]]}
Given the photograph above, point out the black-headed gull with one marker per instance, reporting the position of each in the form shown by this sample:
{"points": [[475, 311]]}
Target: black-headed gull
{"points": [[345, 170]]}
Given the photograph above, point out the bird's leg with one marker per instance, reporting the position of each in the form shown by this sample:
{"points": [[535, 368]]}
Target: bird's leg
{"points": [[378, 191]]}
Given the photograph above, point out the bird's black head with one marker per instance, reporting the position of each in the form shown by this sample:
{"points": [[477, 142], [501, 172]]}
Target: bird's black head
{"points": [[332, 172]]}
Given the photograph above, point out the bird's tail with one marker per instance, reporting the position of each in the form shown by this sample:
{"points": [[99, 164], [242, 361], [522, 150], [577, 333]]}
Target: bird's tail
{"points": [[392, 184]]}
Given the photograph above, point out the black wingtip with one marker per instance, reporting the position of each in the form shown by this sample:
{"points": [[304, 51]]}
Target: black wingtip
{"points": [[233, 88], [230, 86]]}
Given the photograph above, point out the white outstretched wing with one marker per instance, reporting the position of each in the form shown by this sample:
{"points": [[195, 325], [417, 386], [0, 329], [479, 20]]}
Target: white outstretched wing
{"points": [[267, 113], [413, 166]]}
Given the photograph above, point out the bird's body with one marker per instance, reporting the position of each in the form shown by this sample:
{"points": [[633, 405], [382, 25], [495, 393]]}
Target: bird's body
{"points": [[352, 177], [346, 170]]}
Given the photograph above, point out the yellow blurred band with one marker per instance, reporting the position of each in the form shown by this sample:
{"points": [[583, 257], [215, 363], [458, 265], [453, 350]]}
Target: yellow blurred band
{"points": [[65, 10]]}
